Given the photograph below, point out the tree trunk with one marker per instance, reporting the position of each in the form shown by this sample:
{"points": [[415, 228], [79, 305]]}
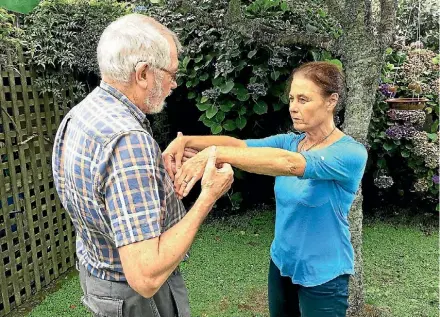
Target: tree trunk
{"points": [[356, 299], [362, 71]]}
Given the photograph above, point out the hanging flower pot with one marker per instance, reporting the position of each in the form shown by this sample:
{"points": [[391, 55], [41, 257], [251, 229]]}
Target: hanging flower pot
{"points": [[407, 103]]}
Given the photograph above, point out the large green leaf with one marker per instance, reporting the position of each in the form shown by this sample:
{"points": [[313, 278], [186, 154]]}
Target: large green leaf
{"points": [[216, 129], [198, 58], [336, 62], [243, 97], [260, 107], [204, 106], [405, 153], [211, 112], [252, 53], [185, 62], [433, 136], [20, 6], [227, 87], [219, 117], [217, 81], [204, 76], [275, 75], [229, 125], [227, 106], [242, 110], [388, 146], [240, 122], [277, 106]]}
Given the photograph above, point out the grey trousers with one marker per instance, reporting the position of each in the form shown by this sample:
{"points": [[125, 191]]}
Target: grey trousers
{"points": [[117, 299]]}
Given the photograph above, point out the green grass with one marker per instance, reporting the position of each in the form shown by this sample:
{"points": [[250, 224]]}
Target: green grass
{"points": [[401, 270], [226, 274]]}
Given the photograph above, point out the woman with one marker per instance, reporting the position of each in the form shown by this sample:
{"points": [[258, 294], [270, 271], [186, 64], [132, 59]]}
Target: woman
{"points": [[317, 176]]}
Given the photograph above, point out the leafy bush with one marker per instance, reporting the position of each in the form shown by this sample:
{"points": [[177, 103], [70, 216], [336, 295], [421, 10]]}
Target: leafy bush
{"points": [[231, 79], [9, 36], [418, 20], [405, 156], [62, 37], [232, 84], [235, 85]]}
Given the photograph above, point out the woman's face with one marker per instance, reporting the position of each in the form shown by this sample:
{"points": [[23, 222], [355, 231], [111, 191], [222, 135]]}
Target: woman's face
{"points": [[308, 107]]}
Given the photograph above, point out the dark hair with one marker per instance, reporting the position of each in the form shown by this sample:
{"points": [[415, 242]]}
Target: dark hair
{"points": [[326, 75]]}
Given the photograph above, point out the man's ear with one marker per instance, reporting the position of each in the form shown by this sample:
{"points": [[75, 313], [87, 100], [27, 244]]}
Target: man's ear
{"points": [[141, 75]]}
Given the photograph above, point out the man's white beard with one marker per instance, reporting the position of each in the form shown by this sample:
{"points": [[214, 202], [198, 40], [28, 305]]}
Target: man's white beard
{"points": [[156, 109], [157, 93]]}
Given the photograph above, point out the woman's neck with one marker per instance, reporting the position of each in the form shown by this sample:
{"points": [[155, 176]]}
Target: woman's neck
{"points": [[321, 132]]}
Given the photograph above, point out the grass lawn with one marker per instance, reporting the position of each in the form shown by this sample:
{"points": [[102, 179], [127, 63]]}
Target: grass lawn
{"points": [[226, 274]]}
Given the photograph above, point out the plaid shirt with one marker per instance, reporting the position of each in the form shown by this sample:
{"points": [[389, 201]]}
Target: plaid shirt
{"points": [[110, 177]]}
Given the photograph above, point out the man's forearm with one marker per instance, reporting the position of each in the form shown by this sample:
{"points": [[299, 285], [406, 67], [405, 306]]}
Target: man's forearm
{"points": [[202, 142], [175, 243], [266, 161]]}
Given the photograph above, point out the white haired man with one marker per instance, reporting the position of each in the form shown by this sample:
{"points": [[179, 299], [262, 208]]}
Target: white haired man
{"points": [[132, 230]]}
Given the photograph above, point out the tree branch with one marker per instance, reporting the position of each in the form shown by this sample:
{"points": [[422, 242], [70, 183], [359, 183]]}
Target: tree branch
{"points": [[255, 29], [20, 136], [387, 22], [335, 9], [307, 39]]}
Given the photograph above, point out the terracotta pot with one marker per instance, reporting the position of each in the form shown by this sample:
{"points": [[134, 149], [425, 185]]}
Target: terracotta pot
{"points": [[407, 103]]}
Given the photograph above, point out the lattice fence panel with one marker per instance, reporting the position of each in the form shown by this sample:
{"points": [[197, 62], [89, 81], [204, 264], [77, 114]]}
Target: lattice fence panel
{"points": [[36, 235]]}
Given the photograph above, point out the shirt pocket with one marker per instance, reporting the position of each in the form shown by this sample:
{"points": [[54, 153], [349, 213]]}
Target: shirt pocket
{"points": [[314, 193]]}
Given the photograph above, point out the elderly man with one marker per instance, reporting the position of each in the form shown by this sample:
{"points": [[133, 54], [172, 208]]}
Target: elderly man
{"points": [[132, 230]]}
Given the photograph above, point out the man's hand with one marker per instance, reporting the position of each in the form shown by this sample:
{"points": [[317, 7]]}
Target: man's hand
{"points": [[190, 173], [216, 181]]}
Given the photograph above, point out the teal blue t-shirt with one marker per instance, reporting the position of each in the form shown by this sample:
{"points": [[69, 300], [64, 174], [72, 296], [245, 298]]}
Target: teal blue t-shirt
{"points": [[312, 239]]}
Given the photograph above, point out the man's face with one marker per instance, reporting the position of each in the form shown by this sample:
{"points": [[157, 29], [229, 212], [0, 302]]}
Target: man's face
{"points": [[161, 82]]}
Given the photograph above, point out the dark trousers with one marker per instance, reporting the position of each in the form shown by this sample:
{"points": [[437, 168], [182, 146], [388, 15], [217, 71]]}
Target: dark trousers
{"points": [[117, 299], [292, 300]]}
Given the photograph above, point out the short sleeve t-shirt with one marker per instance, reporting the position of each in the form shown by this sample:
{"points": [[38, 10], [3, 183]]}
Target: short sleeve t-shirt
{"points": [[312, 239]]}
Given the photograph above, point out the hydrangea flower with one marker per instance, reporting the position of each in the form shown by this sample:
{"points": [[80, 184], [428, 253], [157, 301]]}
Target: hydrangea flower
{"points": [[425, 149], [223, 68], [416, 117], [277, 62], [397, 132], [421, 185], [435, 179], [383, 181], [212, 93], [418, 62], [257, 89], [387, 90]]}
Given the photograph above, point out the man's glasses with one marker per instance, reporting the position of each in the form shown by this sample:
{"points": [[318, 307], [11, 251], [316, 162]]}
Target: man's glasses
{"points": [[173, 75]]}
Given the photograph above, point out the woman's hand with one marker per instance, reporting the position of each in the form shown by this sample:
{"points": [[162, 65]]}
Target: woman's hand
{"points": [[173, 155], [187, 154], [190, 172]]}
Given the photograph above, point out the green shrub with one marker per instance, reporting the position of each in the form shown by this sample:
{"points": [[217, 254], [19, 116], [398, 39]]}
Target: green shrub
{"points": [[405, 157], [10, 36], [62, 37], [232, 84]]}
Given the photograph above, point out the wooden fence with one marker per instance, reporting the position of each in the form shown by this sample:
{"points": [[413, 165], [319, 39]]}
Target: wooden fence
{"points": [[36, 235]]}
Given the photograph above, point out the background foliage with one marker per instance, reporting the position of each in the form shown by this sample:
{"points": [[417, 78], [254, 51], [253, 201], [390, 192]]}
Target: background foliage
{"points": [[231, 84], [405, 169], [10, 36]]}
